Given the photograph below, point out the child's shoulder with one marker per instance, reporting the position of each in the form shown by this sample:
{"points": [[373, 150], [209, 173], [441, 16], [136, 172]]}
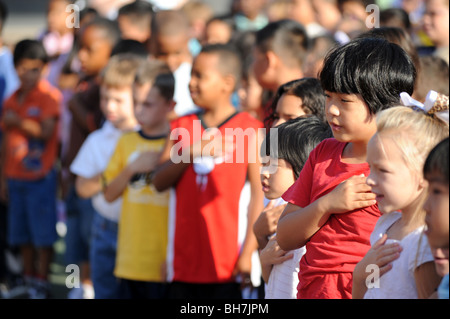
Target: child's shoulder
{"points": [[250, 119], [329, 147], [44, 88], [185, 119], [129, 135]]}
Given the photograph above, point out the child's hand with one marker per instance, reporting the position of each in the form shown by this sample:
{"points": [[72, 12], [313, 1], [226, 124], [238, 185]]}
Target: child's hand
{"points": [[381, 255], [213, 144], [351, 194], [145, 162], [272, 254], [266, 224]]}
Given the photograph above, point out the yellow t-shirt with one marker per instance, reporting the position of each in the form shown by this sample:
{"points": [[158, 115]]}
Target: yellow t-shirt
{"points": [[142, 237]]}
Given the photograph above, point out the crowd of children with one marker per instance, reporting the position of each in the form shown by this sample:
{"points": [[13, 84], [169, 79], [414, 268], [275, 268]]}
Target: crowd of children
{"points": [[291, 149]]}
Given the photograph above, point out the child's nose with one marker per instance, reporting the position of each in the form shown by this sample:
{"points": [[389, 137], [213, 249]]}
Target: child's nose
{"points": [[332, 109]]}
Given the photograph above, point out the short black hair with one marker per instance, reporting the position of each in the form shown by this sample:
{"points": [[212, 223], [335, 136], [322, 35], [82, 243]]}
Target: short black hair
{"points": [[438, 160], [309, 90], [139, 11], [130, 46], [286, 38], [398, 36], [137, 7], [229, 59], [373, 68], [296, 139], [30, 49]]}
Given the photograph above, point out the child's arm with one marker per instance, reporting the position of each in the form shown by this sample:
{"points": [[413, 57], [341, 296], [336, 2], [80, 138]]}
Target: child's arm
{"points": [[34, 129], [266, 223], [80, 115], [145, 162], [380, 255], [427, 280], [298, 224], [88, 187], [271, 255], [168, 172]]}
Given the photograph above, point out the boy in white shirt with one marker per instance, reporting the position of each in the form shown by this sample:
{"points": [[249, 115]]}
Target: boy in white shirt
{"points": [[116, 102]]}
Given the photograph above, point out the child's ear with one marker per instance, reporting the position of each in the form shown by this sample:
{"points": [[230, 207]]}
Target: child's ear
{"points": [[230, 83], [171, 105], [273, 61], [423, 183], [45, 70]]}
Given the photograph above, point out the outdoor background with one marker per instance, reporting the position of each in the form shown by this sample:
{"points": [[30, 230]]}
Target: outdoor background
{"points": [[27, 17]]}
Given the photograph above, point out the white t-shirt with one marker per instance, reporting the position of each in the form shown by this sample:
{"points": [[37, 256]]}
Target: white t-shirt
{"points": [[92, 159], [399, 282], [283, 279], [182, 96]]}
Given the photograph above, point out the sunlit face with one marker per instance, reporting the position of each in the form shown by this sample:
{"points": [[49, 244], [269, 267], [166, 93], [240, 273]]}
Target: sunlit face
{"points": [[132, 31], [172, 49], [207, 82], [261, 70], [250, 94], [217, 32], [150, 107], [437, 209], [94, 50], [276, 177], [288, 107], [29, 72], [117, 106], [349, 117], [436, 21], [395, 185]]}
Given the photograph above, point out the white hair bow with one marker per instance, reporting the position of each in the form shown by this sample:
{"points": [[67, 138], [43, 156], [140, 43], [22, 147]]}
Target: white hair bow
{"points": [[435, 103]]}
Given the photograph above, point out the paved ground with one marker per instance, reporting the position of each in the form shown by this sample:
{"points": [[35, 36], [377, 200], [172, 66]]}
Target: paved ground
{"points": [[58, 274]]}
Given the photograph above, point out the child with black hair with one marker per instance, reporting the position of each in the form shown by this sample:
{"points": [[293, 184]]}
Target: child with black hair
{"points": [[330, 207], [295, 139], [279, 55], [29, 151], [295, 98], [435, 171], [97, 38], [206, 253], [170, 43], [134, 20], [303, 97]]}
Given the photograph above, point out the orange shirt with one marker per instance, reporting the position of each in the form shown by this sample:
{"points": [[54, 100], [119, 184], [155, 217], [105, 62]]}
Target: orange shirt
{"points": [[26, 158]]}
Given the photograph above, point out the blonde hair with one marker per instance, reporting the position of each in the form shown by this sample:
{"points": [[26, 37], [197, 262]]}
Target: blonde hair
{"points": [[414, 132], [121, 70]]}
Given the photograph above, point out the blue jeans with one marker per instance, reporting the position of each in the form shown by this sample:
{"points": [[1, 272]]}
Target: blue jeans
{"points": [[103, 257], [32, 211], [79, 224]]}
